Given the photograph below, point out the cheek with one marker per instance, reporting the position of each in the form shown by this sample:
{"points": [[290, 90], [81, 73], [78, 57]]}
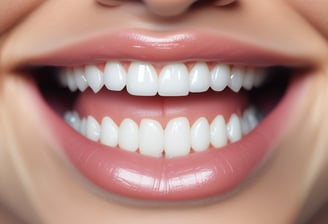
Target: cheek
{"points": [[315, 12], [11, 11]]}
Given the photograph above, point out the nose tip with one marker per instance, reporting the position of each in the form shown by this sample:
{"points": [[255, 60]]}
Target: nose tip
{"points": [[168, 8]]}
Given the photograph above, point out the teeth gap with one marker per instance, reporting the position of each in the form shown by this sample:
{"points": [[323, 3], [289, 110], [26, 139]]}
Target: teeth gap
{"points": [[171, 79], [178, 138]]}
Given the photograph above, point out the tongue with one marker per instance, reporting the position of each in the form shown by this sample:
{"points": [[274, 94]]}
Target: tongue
{"points": [[121, 105]]}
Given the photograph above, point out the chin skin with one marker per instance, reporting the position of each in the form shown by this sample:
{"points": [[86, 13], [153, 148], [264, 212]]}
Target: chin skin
{"points": [[39, 185]]}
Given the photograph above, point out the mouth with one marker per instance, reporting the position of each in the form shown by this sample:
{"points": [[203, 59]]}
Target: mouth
{"points": [[158, 130], [168, 110]]}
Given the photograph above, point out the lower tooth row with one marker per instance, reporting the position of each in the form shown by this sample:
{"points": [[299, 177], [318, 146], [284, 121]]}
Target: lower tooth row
{"points": [[177, 139]]}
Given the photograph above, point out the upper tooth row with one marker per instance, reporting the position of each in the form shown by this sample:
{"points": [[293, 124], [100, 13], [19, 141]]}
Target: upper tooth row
{"points": [[174, 79], [177, 139]]}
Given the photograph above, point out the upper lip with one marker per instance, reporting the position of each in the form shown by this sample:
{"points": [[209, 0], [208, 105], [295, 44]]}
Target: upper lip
{"points": [[159, 47]]}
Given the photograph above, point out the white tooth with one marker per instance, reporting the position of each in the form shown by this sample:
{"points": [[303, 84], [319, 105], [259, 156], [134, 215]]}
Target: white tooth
{"points": [[236, 78], [109, 132], [71, 80], [94, 77], [93, 129], [128, 135], [151, 138], [250, 117], [245, 126], [200, 135], [177, 137], [83, 127], [142, 79], [199, 80], [249, 77], [73, 119], [220, 77], [234, 128], [218, 132], [114, 76], [174, 80], [80, 79], [260, 76], [62, 78]]}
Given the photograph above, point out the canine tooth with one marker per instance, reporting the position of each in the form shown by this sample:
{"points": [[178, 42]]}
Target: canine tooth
{"points": [[177, 137], [249, 77], [151, 138], [200, 135], [245, 127], [92, 129], [234, 128], [250, 118], [114, 76], [199, 78], [236, 78], [109, 132], [94, 77], [128, 135], [73, 119], [174, 80], [218, 132], [142, 79], [80, 79], [83, 127], [71, 80], [220, 77]]}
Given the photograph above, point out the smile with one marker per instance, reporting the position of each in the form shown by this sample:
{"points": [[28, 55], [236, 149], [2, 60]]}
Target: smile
{"points": [[179, 137], [148, 120]]}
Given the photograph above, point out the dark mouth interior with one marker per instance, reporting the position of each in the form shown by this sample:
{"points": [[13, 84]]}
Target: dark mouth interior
{"points": [[264, 98]]}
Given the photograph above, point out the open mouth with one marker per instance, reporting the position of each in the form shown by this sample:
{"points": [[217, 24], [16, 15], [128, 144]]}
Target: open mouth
{"points": [[166, 131], [166, 110]]}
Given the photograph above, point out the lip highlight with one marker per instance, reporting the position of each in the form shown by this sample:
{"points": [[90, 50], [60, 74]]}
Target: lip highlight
{"points": [[197, 176], [159, 47]]}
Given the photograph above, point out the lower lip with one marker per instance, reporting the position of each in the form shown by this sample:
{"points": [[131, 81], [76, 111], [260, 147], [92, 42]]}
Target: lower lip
{"points": [[198, 176]]}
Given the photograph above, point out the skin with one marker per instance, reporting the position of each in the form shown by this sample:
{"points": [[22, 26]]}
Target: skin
{"points": [[38, 186]]}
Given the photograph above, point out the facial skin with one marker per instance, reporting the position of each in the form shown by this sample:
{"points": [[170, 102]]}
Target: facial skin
{"points": [[37, 184]]}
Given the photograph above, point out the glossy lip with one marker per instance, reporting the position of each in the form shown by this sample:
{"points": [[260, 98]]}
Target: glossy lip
{"points": [[197, 176], [162, 47]]}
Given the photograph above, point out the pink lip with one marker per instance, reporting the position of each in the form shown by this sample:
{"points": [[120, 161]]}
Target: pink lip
{"points": [[198, 176], [164, 47]]}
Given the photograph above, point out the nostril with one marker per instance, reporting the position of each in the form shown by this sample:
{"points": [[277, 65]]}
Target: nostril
{"points": [[109, 2], [224, 2], [168, 8], [163, 8]]}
